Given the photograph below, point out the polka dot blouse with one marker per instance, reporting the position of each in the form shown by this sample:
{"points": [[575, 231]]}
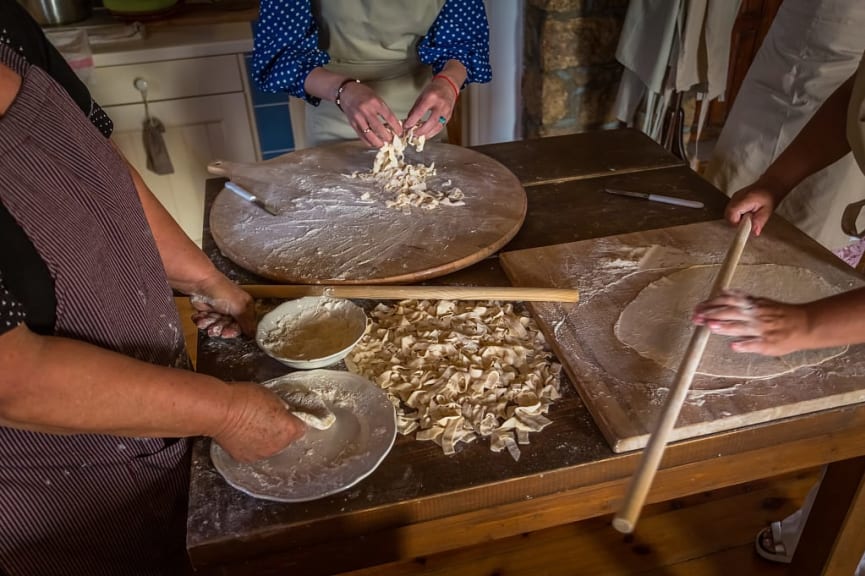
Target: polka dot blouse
{"points": [[286, 44], [12, 312]]}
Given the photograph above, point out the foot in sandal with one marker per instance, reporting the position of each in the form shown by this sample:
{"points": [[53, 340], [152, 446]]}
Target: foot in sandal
{"points": [[770, 546]]}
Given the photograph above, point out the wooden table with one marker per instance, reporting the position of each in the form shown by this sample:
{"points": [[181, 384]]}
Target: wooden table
{"points": [[419, 502]]}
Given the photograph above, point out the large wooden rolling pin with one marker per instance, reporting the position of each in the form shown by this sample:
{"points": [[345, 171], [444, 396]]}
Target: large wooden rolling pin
{"points": [[626, 519], [505, 293]]}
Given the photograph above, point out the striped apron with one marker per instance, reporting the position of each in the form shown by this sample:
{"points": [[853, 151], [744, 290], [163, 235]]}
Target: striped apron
{"points": [[88, 504]]}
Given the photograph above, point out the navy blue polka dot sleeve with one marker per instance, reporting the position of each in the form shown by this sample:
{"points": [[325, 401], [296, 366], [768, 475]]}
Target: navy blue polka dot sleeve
{"points": [[12, 312], [286, 47], [460, 32], [286, 44]]}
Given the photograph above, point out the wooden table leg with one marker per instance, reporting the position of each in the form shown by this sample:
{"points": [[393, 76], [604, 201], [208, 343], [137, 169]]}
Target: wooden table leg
{"points": [[833, 539]]}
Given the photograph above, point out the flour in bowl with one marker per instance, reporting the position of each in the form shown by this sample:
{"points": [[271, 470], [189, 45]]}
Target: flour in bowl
{"points": [[314, 332]]}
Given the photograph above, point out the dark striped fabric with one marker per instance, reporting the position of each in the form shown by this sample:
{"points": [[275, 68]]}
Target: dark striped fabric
{"points": [[87, 504]]}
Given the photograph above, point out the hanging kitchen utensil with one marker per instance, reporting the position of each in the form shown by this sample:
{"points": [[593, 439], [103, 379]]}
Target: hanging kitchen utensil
{"points": [[158, 160]]}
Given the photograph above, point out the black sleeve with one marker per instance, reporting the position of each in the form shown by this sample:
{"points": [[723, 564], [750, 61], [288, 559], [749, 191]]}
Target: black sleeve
{"points": [[12, 311], [26, 286], [21, 32]]}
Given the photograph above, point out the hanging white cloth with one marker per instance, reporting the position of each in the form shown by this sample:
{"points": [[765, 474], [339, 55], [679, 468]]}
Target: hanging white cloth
{"points": [[644, 50], [672, 44], [811, 48]]}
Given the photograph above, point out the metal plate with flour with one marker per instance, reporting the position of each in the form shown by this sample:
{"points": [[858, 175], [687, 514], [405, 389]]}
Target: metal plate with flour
{"points": [[321, 462], [326, 233]]}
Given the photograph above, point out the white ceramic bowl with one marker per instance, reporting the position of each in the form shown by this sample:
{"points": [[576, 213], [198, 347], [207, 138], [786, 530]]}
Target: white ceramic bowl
{"points": [[311, 332]]}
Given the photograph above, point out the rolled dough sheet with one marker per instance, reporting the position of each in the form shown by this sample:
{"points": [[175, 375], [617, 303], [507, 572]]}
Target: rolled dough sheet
{"points": [[657, 322]]}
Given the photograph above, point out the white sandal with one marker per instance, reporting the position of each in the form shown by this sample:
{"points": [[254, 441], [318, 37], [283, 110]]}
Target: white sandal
{"points": [[770, 546]]}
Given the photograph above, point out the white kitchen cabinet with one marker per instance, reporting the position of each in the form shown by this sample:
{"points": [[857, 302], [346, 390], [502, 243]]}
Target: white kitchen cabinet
{"points": [[202, 101], [197, 131]]}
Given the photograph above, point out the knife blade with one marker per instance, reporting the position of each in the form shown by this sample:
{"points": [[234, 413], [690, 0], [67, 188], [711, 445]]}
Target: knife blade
{"points": [[655, 198], [249, 197]]}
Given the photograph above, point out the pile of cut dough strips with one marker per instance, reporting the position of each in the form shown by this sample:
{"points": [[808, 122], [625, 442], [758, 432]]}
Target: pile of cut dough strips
{"points": [[459, 370], [408, 181]]}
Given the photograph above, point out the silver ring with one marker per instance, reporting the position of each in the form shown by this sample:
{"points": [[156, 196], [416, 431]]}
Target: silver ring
{"points": [[366, 130]]}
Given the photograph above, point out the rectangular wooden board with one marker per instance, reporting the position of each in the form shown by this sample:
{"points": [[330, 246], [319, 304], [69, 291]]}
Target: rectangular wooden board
{"points": [[624, 391]]}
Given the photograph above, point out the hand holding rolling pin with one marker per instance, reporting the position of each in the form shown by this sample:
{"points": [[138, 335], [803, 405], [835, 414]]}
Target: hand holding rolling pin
{"points": [[759, 325], [223, 309], [759, 199]]}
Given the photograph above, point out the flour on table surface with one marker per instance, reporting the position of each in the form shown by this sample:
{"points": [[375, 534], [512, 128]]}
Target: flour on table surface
{"points": [[457, 371], [625, 261]]}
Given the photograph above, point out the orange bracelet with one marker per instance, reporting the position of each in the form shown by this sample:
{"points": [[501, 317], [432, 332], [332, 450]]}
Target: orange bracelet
{"points": [[449, 81]]}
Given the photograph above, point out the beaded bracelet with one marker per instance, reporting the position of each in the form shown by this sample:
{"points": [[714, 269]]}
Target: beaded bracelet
{"points": [[341, 89], [449, 81]]}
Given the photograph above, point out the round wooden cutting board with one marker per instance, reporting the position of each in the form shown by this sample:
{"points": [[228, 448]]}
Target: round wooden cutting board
{"points": [[326, 233]]}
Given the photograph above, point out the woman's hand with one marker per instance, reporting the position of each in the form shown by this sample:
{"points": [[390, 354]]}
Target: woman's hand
{"points": [[759, 199], [257, 424], [438, 100], [223, 309], [372, 119], [759, 325]]}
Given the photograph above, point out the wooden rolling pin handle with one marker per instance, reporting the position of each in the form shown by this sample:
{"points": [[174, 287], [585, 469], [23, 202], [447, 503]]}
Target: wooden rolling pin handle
{"points": [[626, 519], [505, 293]]}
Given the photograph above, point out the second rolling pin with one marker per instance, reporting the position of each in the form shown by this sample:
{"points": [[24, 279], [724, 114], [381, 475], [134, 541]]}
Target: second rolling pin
{"points": [[506, 293], [626, 518]]}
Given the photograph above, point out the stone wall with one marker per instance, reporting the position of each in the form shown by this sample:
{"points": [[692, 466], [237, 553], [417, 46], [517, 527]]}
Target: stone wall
{"points": [[571, 75]]}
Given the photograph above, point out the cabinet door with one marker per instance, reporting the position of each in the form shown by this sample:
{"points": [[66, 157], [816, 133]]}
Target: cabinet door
{"points": [[197, 131]]}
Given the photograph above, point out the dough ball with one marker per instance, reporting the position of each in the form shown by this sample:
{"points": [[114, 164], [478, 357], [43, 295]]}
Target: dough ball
{"points": [[308, 406]]}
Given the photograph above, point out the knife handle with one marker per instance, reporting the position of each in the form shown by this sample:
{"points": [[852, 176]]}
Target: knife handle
{"points": [[241, 191], [675, 201]]}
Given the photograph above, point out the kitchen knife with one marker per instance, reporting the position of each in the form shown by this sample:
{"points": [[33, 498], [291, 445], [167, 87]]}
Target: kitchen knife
{"points": [[655, 198], [249, 197]]}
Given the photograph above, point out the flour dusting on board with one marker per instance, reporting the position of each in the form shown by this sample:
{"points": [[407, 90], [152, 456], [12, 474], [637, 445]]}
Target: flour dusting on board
{"points": [[326, 232]]}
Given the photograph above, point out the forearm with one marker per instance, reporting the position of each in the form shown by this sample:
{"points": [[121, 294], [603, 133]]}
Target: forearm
{"points": [[323, 83], [455, 71], [60, 385], [836, 321], [186, 266], [821, 142]]}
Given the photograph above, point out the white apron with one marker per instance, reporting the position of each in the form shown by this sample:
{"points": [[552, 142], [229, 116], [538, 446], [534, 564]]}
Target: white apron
{"points": [[812, 47], [374, 41]]}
